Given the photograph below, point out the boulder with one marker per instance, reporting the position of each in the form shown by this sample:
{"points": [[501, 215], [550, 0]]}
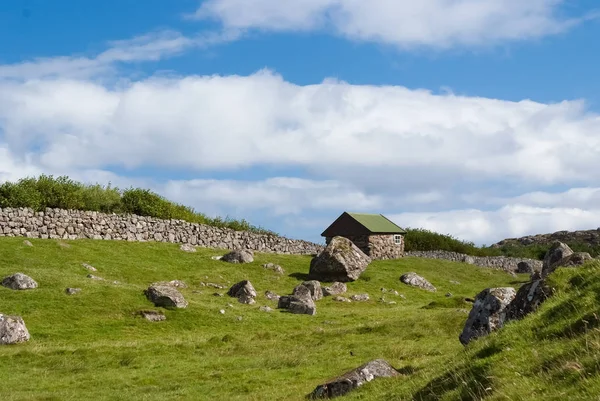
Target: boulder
{"points": [[187, 248], [276, 268], [415, 280], [525, 267], [339, 298], [488, 313], [335, 289], [529, 297], [19, 281], [27, 243], [244, 292], [576, 259], [165, 296], [555, 257], [265, 309], [271, 296], [340, 261], [353, 379], [239, 256], [314, 288], [13, 330], [300, 302]]}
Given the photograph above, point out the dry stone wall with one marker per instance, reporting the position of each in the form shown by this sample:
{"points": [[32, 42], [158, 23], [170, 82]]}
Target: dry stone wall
{"points": [[495, 262], [74, 224]]}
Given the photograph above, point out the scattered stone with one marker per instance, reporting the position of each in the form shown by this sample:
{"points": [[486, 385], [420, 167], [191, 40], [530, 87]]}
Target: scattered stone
{"points": [[525, 267], [165, 296], [152, 315], [63, 245], [555, 257], [454, 282], [415, 280], [72, 291], [216, 257], [95, 277], [468, 259], [448, 295], [187, 248], [271, 296], [402, 296], [576, 259], [394, 292], [341, 299], [383, 289], [353, 379], [19, 281], [213, 285], [276, 268], [27, 243], [172, 283], [488, 313], [222, 311], [244, 292], [89, 267], [383, 301], [314, 288], [335, 289], [239, 256], [529, 297], [299, 303], [239, 318], [360, 297], [340, 261], [217, 294], [265, 309], [13, 330]]}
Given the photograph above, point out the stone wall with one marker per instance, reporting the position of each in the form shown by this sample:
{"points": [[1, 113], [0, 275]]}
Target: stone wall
{"points": [[72, 224], [376, 246], [495, 262]]}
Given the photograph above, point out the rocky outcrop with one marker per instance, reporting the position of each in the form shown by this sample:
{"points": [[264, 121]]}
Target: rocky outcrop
{"points": [[493, 262], [353, 379], [590, 237], [239, 256], [72, 224], [335, 288], [165, 296], [577, 259], [13, 330], [413, 279], [340, 261], [19, 281], [488, 313], [244, 292]]}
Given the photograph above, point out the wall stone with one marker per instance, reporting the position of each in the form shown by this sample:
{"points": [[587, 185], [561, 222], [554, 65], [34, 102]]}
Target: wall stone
{"points": [[376, 246], [495, 262], [74, 224]]}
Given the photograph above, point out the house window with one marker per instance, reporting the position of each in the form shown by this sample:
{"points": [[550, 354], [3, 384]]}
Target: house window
{"points": [[397, 239]]}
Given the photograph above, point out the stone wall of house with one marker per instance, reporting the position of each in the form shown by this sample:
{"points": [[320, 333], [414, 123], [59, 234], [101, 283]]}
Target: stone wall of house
{"points": [[72, 224], [495, 262], [376, 246]]}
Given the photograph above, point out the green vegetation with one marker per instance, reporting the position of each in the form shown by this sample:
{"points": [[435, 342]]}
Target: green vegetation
{"points": [[63, 193], [92, 345]]}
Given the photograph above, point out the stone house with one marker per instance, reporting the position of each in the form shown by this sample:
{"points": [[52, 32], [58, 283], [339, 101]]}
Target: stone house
{"points": [[374, 234]]}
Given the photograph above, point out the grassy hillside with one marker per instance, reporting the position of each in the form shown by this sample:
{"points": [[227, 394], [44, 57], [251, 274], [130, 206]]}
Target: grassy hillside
{"points": [[92, 346]]}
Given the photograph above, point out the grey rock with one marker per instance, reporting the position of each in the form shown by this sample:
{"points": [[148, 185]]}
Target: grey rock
{"points": [[95, 277], [239, 256], [488, 313], [468, 259], [72, 291], [187, 248], [413, 279], [13, 330], [340, 261], [271, 296], [353, 379], [448, 295], [576, 259], [314, 288], [529, 297], [27, 243], [360, 297], [339, 298], [244, 291], [89, 267], [165, 296], [265, 309], [525, 267], [555, 257], [276, 268], [19, 281], [152, 315], [336, 288], [216, 257]]}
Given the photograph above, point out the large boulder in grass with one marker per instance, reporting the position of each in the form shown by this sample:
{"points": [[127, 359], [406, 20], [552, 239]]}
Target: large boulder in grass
{"points": [[488, 313], [19, 281], [529, 297], [340, 261], [556, 256], [414, 280], [353, 379], [13, 330], [239, 256], [244, 292], [165, 296]]}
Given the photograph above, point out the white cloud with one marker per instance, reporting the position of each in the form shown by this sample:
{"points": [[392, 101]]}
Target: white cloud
{"points": [[404, 23]]}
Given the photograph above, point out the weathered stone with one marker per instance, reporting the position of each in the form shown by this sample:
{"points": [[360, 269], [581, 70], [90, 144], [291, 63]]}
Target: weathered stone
{"points": [[187, 248], [525, 267], [529, 297], [301, 303], [555, 257], [488, 313], [95, 277], [468, 259], [19, 281], [360, 297], [415, 280], [244, 292], [576, 259], [353, 379], [314, 288], [165, 296], [152, 315], [340, 261], [239, 256], [265, 309], [89, 267], [335, 289], [276, 268], [339, 298], [172, 283], [72, 291], [27, 243], [271, 296], [13, 330]]}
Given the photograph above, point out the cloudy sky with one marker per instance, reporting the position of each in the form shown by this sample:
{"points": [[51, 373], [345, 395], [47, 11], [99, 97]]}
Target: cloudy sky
{"points": [[477, 118]]}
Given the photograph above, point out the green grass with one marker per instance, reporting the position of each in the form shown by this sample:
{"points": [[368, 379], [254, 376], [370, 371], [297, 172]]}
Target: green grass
{"points": [[91, 345]]}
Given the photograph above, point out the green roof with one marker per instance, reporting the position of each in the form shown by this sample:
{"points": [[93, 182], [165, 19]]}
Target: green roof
{"points": [[376, 223]]}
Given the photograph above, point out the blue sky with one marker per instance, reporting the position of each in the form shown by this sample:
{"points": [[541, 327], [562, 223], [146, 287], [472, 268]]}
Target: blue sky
{"points": [[477, 118]]}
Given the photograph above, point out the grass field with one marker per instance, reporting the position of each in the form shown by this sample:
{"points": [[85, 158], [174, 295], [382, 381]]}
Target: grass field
{"points": [[93, 346]]}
